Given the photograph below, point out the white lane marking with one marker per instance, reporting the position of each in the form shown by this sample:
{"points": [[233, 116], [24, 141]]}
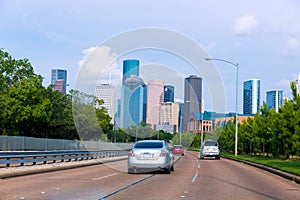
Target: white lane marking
{"points": [[195, 177], [102, 177], [198, 165]]}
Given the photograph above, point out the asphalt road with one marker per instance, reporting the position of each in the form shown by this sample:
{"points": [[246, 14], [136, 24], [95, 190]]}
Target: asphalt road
{"points": [[192, 179]]}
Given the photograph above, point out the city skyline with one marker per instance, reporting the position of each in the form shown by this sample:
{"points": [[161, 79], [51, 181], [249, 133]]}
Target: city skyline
{"points": [[131, 70], [263, 39]]}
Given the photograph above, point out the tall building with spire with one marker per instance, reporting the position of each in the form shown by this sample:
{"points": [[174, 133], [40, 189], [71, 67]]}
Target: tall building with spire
{"points": [[251, 97]]}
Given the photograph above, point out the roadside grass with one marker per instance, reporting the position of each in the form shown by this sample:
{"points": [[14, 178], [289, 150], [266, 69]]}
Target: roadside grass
{"points": [[290, 166]]}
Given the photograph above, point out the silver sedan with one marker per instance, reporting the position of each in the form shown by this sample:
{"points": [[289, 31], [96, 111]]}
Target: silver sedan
{"points": [[150, 155]]}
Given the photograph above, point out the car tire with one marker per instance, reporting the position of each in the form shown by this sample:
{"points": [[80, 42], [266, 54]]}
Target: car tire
{"points": [[132, 171], [172, 168], [168, 170], [218, 157]]}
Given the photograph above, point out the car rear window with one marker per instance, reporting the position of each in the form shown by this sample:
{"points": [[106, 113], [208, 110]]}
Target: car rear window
{"points": [[148, 145], [178, 146], [210, 143]]}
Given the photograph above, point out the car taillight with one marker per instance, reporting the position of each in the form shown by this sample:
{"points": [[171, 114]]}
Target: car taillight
{"points": [[163, 153], [131, 154]]}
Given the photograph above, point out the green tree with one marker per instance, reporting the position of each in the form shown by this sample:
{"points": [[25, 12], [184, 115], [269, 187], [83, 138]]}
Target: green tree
{"points": [[61, 124], [103, 117], [26, 110]]}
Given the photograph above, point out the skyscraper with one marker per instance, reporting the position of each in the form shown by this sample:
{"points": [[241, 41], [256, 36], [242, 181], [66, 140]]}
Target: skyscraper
{"points": [[155, 96], [192, 97], [130, 67], [169, 114], [251, 98], [133, 104], [169, 93], [298, 84], [133, 95], [59, 80], [106, 92], [274, 99]]}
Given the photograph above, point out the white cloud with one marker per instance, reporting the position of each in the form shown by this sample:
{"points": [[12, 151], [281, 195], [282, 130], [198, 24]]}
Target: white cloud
{"points": [[291, 46], [96, 63], [245, 25]]}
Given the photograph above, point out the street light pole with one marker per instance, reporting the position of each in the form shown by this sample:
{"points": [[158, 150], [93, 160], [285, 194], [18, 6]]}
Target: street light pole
{"points": [[236, 99]]}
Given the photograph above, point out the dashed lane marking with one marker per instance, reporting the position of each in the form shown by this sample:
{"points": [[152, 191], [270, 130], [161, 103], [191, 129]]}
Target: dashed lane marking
{"points": [[103, 177]]}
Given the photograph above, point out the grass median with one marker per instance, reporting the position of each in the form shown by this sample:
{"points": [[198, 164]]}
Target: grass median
{"points": [[290, 166]]}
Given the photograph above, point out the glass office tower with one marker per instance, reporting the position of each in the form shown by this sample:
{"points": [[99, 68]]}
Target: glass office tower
{"points": [[133, 95], [134, 99], [274, 99], [130, 67], [169, 93], [251, 97]]}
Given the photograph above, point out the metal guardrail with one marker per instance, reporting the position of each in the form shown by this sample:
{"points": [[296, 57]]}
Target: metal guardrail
{"points": [[7, 159]]}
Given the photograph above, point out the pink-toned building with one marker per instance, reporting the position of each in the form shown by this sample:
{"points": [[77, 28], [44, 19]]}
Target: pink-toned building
{"points": [[155, 96], [59, 86]]}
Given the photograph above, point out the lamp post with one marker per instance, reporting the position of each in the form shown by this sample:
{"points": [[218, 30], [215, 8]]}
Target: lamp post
{"points": [[236, 99]]}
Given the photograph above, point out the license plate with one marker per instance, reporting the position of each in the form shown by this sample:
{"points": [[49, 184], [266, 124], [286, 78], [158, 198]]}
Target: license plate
{"points": [[146, 155]]}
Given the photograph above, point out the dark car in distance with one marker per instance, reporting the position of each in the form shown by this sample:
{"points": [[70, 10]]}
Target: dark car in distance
{"points": [[178, 149]]}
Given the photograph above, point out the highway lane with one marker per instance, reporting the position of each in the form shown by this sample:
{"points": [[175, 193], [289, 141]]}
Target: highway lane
{"points": [[192, 179], [213, 179]]}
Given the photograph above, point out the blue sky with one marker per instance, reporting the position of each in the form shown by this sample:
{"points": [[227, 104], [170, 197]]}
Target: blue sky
{"points": [[262, 36]]}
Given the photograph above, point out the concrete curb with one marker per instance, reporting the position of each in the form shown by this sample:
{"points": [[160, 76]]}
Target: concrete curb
{"points": [[285, 175], [29, 170]]}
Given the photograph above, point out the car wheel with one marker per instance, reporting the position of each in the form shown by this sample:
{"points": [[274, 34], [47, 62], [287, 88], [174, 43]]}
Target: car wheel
{"points": [[218, 157], [172, 168], [132, 170], [168, 170]]}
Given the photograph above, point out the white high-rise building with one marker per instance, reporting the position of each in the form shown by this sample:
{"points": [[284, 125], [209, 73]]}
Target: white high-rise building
{"points": [[298, 84], [106, 92], [169, 114]]}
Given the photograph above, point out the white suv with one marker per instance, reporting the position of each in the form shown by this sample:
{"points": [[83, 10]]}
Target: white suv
{"points": [[210, 148]]}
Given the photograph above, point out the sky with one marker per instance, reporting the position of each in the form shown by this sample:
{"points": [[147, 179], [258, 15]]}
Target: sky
{"points": [[263, 37]]}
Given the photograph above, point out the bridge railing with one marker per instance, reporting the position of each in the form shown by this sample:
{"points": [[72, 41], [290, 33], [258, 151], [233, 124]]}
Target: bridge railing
{"points": [[20, 143], [8, 159]]}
